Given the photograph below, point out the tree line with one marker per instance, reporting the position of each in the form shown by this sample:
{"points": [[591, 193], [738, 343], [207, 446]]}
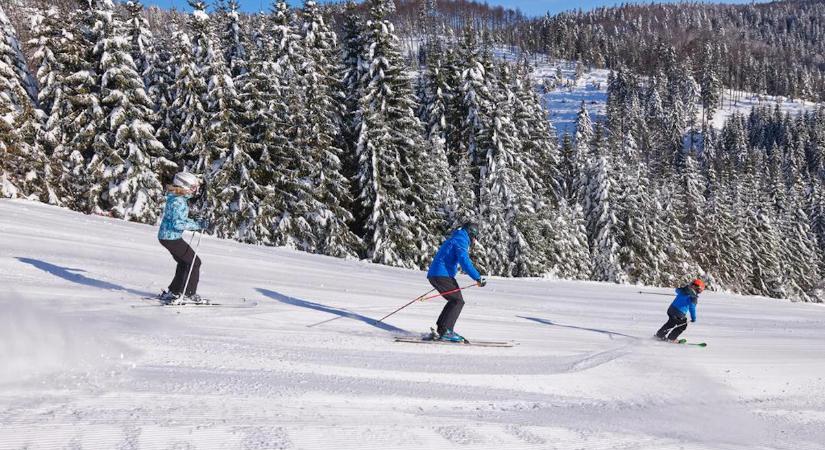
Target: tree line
{"points": [[338, 143]]}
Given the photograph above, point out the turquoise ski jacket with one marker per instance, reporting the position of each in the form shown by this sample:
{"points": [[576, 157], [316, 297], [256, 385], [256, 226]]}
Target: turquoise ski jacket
{"points": [[176, 218]]}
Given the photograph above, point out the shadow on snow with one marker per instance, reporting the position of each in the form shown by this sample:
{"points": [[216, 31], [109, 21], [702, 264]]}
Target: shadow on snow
{"points": [[68, 274], [341, 313], [595, 330]]}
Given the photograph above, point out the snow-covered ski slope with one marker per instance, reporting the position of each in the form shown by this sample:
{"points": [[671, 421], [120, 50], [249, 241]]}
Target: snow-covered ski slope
{"points": [[308, 369]]}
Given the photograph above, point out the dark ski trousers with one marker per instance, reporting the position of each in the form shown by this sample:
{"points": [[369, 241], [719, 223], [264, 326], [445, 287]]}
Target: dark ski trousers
{"points": [[455, 302], [183, 255], [676, 324]]}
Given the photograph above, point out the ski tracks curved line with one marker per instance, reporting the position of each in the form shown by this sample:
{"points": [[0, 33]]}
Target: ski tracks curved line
{"points": [[597, 359]]}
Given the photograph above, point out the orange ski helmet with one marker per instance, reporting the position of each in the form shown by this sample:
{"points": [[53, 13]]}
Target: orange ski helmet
{"points": [[699, 284]]}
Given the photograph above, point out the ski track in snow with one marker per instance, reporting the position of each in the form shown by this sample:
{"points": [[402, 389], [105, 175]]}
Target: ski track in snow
{"points": [[308, 368]]}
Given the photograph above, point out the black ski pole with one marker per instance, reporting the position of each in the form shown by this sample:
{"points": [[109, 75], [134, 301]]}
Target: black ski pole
{"points": [[655, 293]]}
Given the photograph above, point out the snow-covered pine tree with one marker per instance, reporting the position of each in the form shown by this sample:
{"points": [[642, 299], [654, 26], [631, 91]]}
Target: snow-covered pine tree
{"points": [[622, 107], [21, 159], [575, 160], [717, 236], [816, 213], [539, 150], [286, 163], [602, 225], [389, 145], [352, 51], [709, 85], [564, 232], [232, 40], [691, 202], [458, 158], [259, 93], [286, 38], [672, 262], [765, 275], [159, 79], [435, 98], [798, 248], [231, 203], [639, 254], [474, 109], [77, 111], [129, 155], [140, 37], [190, 118], [506, 207], [321, 125], [46, 31]]}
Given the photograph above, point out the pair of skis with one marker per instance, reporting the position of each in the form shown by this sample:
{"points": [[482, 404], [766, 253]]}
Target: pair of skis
{"points": [[206, 303], [433, 338], [684, 342]]}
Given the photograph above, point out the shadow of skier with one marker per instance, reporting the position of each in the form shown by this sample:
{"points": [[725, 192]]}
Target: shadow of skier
{"points": [[595, 330], [70, 274], [328, 309]]}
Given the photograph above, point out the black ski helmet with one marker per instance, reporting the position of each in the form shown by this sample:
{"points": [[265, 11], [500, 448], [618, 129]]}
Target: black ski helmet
{"points": [[471, 229]]}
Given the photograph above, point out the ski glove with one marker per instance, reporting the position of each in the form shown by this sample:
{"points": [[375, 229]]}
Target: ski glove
{"points": [[693, 320], [204, 224], [482, 282]]}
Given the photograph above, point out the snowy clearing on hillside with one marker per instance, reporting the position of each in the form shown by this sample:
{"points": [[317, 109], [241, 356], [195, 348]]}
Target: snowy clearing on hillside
{"points": [[88, 364], [567, 92]]}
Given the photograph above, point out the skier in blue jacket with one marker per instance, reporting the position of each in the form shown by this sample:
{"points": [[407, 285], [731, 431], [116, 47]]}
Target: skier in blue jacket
{"points": [[175, 221], [454, 252], [685, 302]]}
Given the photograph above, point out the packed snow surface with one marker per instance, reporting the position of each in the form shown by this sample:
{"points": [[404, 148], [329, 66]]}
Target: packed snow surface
{"points": [[87, 364]]}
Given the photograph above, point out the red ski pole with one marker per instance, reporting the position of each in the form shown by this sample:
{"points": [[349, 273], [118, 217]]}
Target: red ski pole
{"points": [[441, 294], [422, 298]]}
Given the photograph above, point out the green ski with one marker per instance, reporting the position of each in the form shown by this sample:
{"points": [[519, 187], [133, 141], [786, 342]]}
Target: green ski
{"points": [[685, 342]]}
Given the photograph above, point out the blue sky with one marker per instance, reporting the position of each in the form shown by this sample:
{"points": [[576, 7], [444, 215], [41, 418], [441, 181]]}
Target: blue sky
{"points": [[529, 7]]}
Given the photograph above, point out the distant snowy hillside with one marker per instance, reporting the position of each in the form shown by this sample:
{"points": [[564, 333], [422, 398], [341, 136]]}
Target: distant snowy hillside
{"points": [[566, 94], [87, 364]]}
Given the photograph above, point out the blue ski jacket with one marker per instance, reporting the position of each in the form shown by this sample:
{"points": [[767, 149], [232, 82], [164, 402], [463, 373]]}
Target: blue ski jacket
{"points": [[453, 252], [685, 301], [176, 218]]}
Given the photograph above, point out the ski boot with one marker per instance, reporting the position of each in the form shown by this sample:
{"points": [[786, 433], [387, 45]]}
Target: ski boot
{"points": [[450, 336], [168, 297], [195, 299]]}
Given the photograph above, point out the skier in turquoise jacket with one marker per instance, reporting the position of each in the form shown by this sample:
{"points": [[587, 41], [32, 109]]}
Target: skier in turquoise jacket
{"points": [[687, 297], [175, 221], [454, 252]]}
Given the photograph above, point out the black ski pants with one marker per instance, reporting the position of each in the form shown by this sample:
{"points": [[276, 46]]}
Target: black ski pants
{"points": [[455, 302], [676, 324], [184, 255]]}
